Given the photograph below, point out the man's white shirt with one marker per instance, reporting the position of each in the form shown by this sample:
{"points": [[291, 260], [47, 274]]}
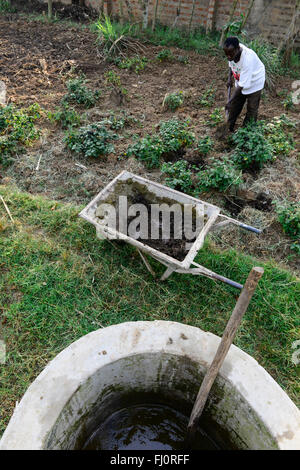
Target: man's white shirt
{"points": [[249, 72]]}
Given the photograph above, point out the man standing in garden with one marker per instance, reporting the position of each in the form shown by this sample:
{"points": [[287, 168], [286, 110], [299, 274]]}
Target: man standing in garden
{"points": [[249, 74]]}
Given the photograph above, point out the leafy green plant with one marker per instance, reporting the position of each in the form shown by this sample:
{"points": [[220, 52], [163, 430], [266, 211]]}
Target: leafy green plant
{"points": [[112, 78], [65, 116], [174, 100], [253, 149], [179, 176], [121, 121], [204, 145], [289, 217], [136, 63], [175, 135], [220, 175], [17, 129], [183, 59], [215, 117], [207, 98], [288, 102], [91, 141], [6, 7], [80, 94], [149, 150], [276, 133], [165, 55]]}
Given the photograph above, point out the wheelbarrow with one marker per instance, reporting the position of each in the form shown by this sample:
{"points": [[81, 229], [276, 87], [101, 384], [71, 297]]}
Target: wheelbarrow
{"points": [[109, 218]]}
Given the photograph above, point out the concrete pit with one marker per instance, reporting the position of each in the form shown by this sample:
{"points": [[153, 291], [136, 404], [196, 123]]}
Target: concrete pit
{"points": [[151, 362]]}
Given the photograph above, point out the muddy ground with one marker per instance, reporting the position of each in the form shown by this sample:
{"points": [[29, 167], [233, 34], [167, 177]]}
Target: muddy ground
{"points": [[36, 60]]}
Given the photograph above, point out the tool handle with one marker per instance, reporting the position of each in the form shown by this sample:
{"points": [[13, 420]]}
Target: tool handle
{"points": [[251, 229], [226, 341]]}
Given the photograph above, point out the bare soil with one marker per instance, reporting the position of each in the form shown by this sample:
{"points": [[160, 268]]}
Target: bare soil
{"points": [[36, 60]]}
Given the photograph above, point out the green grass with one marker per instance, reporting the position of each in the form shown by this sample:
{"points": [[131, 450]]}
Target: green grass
{"points": [[60, 282]]}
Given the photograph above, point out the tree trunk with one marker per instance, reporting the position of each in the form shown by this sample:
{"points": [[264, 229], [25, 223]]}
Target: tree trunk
{"points": [[247, 15], [155, 15], [234, 5], [192, 15], [129, 10], [177, 14], [145, 13], [50, 2]]}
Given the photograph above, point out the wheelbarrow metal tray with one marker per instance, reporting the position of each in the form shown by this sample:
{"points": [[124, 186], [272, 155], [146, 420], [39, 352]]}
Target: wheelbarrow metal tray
{"points": [[122, 185]]}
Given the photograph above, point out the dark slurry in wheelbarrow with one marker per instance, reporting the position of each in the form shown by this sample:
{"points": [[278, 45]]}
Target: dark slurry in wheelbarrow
{"points": [[176, 248], [146, 427]]}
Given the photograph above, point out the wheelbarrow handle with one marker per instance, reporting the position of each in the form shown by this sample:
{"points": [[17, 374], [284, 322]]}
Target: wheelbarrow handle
{"points": [[251, 229]]}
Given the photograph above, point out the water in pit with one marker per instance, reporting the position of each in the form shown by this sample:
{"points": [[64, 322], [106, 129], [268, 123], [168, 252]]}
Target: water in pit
{"points": [[146, 427]]}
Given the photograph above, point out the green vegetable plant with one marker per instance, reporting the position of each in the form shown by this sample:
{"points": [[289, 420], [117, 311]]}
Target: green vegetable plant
{"points": [[289, 217], [91, 141], [253, 150], [174, 100], [65, 116], [149, 150], [178, 176], [165, 55], [220, 175], [208, 97], [215, 117], [136, 63], [204, 145], [78, 93], [17, 130]]}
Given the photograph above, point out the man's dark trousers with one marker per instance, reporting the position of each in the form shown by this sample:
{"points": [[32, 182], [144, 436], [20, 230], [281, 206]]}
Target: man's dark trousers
{"points": [[236, 106]]}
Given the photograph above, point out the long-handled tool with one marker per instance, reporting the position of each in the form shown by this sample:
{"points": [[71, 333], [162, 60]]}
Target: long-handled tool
{"points": [[222, 129], [226, 341], [228, 98]]}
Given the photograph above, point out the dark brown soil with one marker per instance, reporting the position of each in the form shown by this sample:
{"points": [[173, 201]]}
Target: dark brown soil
{"points": [[169, 245], [235, 204]]}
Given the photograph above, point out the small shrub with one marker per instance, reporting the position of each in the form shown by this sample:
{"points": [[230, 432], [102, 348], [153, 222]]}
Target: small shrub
{"points": [[221, 175], [66, 117], [215, 117], [80, 94], [208, 97], [175, 135], [111, 39], [165, 55], [149, 150], [205, 145], [17, 129], [119, 122], [91, 141], [289, 217], [174, 100], [288, 102], [253, 150], [183, 59], [136, 63], [276, 133], [6, 7], [114, 80], [179, 176]]}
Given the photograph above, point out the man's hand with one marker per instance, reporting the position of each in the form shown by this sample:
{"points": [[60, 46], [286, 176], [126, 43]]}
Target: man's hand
{"points": [[227, 106], [229, 84]]}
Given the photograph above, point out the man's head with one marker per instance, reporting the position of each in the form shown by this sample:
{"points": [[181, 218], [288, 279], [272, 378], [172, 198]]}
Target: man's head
{"points": [[232, 48]]}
